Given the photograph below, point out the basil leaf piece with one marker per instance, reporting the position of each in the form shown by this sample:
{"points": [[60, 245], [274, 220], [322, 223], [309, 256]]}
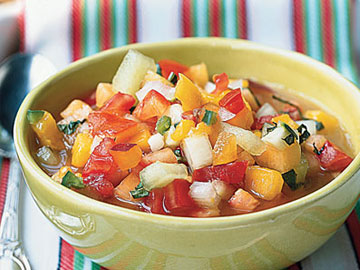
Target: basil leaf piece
{"points": [[290, 179], [319, 125], [71, 180], [317, 151], [304, 133], [289, 103], [139, 192], [158, 69], [209, 118], [70, 128], [172, 78], [163, 124], [290, 139]]}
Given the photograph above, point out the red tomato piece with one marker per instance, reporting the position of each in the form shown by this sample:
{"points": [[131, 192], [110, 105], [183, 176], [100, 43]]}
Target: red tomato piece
{"points": [[119, 104], [167, 66], [332, 158], [104, 187], [103, 123], [177, 198], [259, 122], [154, 202], [233, 101], [292, 111], [221, 82], [192, 115], [91, 100], [232, 173], [154, 104]]}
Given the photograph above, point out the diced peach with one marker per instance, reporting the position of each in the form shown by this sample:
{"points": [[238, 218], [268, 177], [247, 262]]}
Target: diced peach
{"points": [[126, 156], [317, 140], [249, 97], [76, 110], [280, 160], [81, 150], [141, 137], [164, 155], [243, 201], [104, 91], [198, 74], [225, 149], [182, 130], [245, 156], [122, 191], [244, 118], [263, 182]]}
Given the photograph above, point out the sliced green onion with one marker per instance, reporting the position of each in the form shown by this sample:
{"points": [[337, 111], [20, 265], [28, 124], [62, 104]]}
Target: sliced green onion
{"points": [[290, 139], [209, 117], [158, 69], [319, 125], [34, 116], [317, 151], [139, 192], [71, 127], [163, 124], [290, 179], [172, 78], [292, 104], [71, 180], [304, 133]]}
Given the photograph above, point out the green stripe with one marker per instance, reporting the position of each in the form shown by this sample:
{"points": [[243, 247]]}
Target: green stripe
{"points": [[313, 29], [200, 16], [78, 261], [120, 21], [229, 18], [1, 164], [194, 19], [95, 266]]}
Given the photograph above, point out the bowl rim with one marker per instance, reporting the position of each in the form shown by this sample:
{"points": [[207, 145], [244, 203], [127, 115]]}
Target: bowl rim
{"points": [[93, 205]]}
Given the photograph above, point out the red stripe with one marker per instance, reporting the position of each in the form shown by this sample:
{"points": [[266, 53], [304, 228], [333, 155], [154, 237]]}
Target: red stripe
{"points": [[215, 18], [4, 177], [132, 21], [76, 29], [186, 18], [243, 19], [21, 26], [328, 35], [354, 229], [106, 24], [67, 256], [298, 24]]}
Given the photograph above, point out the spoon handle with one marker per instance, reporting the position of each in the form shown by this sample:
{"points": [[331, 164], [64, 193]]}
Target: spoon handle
{"points": [[11, 251]]}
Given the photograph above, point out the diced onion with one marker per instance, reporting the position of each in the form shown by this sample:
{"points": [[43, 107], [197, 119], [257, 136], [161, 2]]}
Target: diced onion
{"points": [[168, 140], [225, 115], [156, 142], [165, 90], [276, 136], [309, 124], [209, 87], [246, 139], [224, 190], [236, 84], [96, 141], [266, 109], [174, 111], [204, 194], [198, 151]]}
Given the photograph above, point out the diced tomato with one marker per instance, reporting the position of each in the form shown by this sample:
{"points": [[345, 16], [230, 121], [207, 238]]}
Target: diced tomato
{"points": [[167, 66], [154, 104], [232, 173], [259, 122], [103, 123], [233, 101], [154, 202], [191, 115], [119, 104], [292, 112], [332, 158], [91, 100], [101, 168], [221, 82], [177, 198]]}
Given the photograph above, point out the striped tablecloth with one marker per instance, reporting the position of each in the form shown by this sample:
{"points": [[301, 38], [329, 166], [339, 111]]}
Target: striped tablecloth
{"points": [[66, 30]]}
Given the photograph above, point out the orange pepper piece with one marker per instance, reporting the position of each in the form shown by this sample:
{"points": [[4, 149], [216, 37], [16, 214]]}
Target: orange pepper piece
{"points": [[126, 155], [182, 129], [122, 191], [225, 149]]}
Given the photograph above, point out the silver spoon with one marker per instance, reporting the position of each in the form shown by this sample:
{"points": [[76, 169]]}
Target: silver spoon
{"points": [[18, 75]]}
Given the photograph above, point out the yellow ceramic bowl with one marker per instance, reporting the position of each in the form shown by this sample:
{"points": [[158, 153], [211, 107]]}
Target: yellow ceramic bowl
{"points": [[120, 238]]}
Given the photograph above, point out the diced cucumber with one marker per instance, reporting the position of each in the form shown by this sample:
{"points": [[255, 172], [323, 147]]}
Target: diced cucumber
{"points": [[310, 125], [198, 151], [34, 116], [278, 136], [295, 178], [132, 71], [46, 155], [161, 174], [266, 109], [71, 180]]}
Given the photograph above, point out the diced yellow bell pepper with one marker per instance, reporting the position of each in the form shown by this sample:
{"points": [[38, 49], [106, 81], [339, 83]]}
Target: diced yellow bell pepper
{"points": [[257, 133], [225, 149], [76, 110], [330, 122], [188, 94], [48, 132], [182, 129], [213, 98], [263, 182], [245, 156], [152, 76], [198, 74], [201, 128], [141, 138], [81, 150], [104, 91], [280, 160], [285, 118]]}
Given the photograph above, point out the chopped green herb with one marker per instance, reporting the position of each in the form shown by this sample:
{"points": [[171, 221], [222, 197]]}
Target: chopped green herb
{"points": [[209, 117], [317, 151], [139, 192], [179, 156], [172, 78], [290, 179], [304, 133], [34, 116], [292, 104], [71, 127], [163, 124], [158, 69], [71, 180], [319, 125], [176, 124], [290, 139], [132, 109]]}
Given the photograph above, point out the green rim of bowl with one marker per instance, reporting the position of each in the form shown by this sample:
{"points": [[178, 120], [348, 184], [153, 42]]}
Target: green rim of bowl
{"points": [[185, 222]]}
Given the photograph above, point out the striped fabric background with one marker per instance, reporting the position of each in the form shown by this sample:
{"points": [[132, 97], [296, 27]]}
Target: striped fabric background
{"points": [[318, 28]]}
